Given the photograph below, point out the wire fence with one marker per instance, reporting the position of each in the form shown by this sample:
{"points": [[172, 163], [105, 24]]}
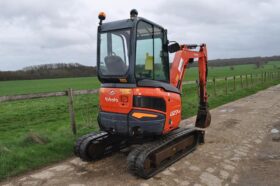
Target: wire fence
{"points": [[237, 82]]}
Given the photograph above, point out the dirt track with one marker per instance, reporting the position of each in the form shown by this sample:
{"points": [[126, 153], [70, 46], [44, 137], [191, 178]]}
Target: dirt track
{"points": [[238, 151]]}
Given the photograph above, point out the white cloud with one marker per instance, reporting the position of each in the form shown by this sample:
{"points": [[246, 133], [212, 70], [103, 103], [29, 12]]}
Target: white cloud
{"points": [[48, 31]]}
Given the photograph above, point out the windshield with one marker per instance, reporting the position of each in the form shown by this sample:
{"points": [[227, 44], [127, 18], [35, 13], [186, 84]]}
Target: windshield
{"points": [[113, 56], [150, 61]]}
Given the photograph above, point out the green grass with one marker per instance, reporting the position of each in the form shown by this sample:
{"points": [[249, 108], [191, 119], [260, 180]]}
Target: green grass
{"points": [[47, 85], [53, 85], [49, 119], [238, 70]]}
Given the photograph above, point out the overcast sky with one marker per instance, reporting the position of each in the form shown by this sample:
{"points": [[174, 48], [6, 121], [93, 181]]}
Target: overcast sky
{"points": [[35, 32]]}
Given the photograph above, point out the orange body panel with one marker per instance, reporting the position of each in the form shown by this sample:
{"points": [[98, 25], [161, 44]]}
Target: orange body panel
{"points": [[110, 101], [173, 105], [177, 68]]}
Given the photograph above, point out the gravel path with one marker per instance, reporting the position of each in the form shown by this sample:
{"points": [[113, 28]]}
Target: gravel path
{"points": [[239, 150]]}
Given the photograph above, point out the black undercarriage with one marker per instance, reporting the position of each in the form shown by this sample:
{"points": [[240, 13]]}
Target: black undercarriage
{"points": [[145, 160]]}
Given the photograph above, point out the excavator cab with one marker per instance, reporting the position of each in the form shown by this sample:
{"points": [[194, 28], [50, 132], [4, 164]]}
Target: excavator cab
{"points": [[131, 50]]}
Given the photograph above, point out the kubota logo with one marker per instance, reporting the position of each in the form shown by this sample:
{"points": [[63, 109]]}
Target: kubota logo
{"points": [[112, 92], [175, 112], [113, 100]]}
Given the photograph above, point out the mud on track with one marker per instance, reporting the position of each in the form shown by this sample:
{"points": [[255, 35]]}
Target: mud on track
{"points": [[238, 151]]}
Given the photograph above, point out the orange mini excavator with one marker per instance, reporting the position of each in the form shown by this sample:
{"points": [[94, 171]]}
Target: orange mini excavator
{"points": [[140, 96]]}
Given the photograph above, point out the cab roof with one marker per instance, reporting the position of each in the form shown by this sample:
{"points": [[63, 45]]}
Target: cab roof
{"points": [[126, 23]]}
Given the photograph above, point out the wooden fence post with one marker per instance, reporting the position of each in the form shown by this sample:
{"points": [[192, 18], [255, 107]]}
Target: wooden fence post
{"points": [[214, 84], [251, 79], [226, 85], [234, 84], [71, 111], [246, 80], [257, 79], [267, 76], [241, 81], [264, 77]]}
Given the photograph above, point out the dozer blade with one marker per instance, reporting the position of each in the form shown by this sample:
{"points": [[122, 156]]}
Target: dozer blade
{"points": [[149, 159]]}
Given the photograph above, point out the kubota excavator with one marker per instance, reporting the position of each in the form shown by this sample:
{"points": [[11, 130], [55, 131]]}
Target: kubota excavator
{"points": [[140, 96]]}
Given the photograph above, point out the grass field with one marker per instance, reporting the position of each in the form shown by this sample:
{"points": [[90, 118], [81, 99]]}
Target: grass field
{"points": [[237, 70], [34, 133], [52, 85]]}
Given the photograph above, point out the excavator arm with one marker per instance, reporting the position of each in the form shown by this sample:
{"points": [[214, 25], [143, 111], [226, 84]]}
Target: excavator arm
{"points": [[186, 54]]}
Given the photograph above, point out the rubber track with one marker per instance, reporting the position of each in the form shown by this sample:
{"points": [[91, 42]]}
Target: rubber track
{"points": [[147, 149], [87, 140], [106, 142], [80, 141], [131, 159]]}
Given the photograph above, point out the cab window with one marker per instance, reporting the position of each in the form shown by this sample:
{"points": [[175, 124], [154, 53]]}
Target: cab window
{"points": [[113, 54], [150, 63]]}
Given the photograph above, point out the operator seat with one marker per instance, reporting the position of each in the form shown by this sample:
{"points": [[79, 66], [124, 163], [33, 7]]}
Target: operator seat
{"points": [[115, 65]]}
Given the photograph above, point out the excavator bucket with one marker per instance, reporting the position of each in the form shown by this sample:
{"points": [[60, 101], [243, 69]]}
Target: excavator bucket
{"points": [[203, 118]]}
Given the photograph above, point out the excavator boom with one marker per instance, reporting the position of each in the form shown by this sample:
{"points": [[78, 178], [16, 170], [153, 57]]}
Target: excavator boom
{"points": [[185, 54]]}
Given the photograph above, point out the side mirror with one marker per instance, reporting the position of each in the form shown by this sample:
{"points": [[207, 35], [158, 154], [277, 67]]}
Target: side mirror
{"points": [[174, 47]]}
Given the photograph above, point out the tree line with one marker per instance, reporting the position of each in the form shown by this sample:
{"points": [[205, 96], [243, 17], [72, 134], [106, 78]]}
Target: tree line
{"points": [[64, 70], [47, 71]]}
